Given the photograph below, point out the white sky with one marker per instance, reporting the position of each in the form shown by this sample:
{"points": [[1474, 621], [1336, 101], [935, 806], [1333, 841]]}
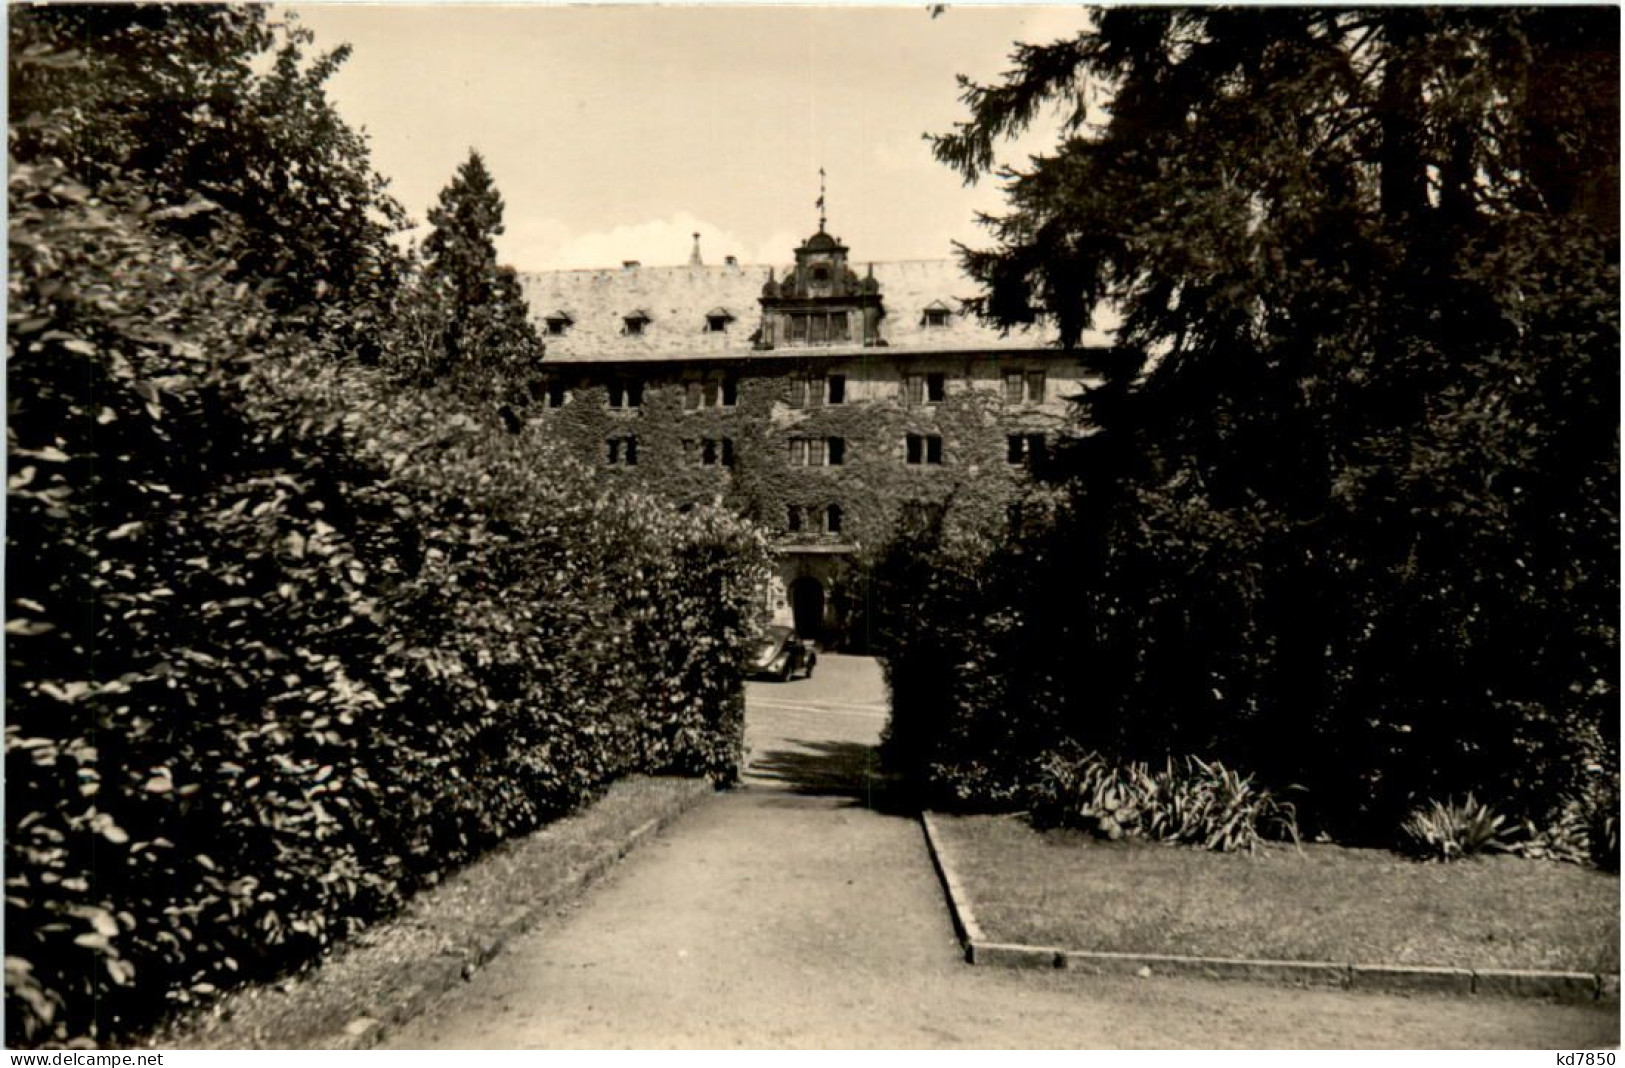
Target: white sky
{"points": [[616, 132]]}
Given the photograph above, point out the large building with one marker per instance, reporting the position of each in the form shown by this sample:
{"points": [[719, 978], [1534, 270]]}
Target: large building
{"points": [[827, 402]]}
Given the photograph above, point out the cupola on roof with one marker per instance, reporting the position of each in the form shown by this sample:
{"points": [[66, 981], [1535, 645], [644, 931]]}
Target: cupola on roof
{"points": [[818, 305], [822, 242]]}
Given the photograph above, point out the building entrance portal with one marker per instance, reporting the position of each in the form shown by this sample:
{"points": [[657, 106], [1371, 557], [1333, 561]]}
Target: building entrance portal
{"points": [[807, 605]]}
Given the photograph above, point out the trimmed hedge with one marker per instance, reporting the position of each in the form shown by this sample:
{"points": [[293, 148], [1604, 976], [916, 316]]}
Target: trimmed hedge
{"points": [[285, 642], [1007, 658]]}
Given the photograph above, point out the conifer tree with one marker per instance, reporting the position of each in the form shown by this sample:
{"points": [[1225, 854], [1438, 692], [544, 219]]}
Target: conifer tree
{"points": [[470, 315], [1349, 512]]}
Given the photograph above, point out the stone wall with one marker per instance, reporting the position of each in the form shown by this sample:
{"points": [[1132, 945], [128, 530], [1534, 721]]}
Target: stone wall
{"points": [[875, 487]]}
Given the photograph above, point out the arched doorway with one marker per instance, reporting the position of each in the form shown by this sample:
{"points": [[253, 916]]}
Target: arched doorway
{"points": [[807, 605]]}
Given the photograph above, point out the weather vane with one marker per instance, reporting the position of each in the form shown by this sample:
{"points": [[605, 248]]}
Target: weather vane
{"points": [[820, 200]]}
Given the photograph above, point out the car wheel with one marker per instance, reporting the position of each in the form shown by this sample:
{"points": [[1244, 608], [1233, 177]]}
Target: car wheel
{"points": [[812, 661], [789, 670]]}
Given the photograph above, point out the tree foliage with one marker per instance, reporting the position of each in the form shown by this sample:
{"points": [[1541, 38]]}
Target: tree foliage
{"points": [[285, 640], [1348, 512], [216, 104], [465, 316]]}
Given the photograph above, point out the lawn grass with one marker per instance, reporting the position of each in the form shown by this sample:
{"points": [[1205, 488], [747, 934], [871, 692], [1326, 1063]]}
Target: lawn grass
{"points": [[1323, 902]]}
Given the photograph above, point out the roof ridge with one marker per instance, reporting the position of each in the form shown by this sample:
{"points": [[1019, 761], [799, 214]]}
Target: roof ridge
{"points": [[717, 267]]}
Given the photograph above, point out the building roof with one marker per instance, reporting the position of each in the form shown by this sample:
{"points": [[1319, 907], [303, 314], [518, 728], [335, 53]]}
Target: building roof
{"points": [[677, 300]]}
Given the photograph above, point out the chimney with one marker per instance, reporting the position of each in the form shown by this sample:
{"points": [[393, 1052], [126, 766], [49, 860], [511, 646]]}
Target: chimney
{"points": [[694, 257], [731, 261], [630, 265]]}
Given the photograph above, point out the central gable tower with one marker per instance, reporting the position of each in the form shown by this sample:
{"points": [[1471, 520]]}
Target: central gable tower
{"points": [[821, 302]]}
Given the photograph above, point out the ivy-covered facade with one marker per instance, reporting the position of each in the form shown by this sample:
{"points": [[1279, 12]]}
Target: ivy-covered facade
{"points": [[831, 407]]}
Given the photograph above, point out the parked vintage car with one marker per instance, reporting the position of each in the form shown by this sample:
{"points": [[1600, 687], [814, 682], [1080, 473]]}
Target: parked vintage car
{"points": [[781, 653]]}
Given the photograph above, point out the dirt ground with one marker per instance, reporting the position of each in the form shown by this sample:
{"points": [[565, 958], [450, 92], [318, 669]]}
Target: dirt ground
{"points": [[790, 914]]}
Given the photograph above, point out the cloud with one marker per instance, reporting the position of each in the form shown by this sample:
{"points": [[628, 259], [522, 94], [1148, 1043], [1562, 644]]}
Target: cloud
{"points": [[776, 251], [530, 242]]}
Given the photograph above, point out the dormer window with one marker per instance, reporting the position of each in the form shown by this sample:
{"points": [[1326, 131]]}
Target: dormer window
{"points": [[559, 323], [634, 323], [820, 273], [818, 328], [936, 315], [717, 320]]}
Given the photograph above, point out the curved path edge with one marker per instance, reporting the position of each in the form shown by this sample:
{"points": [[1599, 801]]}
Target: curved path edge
{"points": [[393, 971], [1387, 978]]}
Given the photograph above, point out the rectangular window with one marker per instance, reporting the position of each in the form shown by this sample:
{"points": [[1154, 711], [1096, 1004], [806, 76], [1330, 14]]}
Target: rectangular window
{"points": [[798, 392], [730, 392], [817, 452], [556, 394], [793, 518], [832, 519], [1012, 387], [918, 516], [622, 450], [815, 391], [630, 451], [691, 397], [935, 383], [1035, 387], [714, 451], [627, 394], [1025, 448], [837, 389], [817, 328], [936, 317], [617, 395], [913, 389], [924, 448]]}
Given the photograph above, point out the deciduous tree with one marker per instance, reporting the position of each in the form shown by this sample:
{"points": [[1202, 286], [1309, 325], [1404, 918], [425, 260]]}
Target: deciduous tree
{"points": [[218, 106]]}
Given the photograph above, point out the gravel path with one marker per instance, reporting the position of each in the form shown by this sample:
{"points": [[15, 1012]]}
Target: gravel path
{"points": [[789, 914]]}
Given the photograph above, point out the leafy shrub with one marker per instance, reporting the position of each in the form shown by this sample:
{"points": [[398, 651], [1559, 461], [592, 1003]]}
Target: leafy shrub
{"points": [[1188, 801], [286, 640], [1445, 830], [346, 636], [964, 724], [1563, 836]]}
